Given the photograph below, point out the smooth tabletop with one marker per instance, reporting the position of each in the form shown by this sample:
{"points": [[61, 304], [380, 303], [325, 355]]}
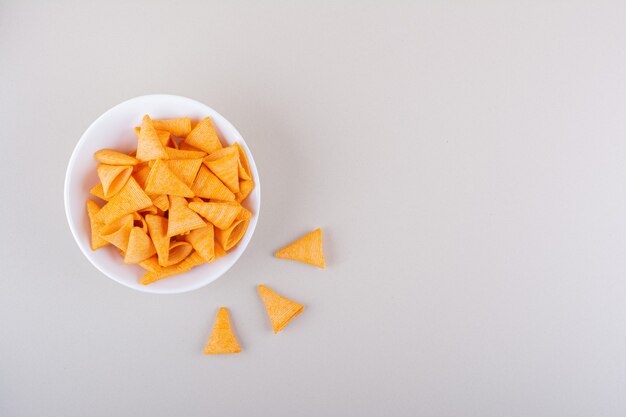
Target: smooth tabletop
{"points": [[465, 160]]}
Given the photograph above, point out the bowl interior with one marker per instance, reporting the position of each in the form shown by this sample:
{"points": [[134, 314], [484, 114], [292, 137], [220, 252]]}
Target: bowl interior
{"points": [[114, 129]]}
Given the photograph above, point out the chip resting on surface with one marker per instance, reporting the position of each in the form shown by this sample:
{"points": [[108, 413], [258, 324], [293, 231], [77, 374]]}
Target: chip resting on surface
{"points": [[307, 249], [280, 310], [222, 338]]}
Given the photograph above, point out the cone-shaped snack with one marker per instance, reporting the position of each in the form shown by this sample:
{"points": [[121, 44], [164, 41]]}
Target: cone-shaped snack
{"points": [[184, 146], [161, 201], [157, 226], [118, 232], [221, 215], [111, 157], [181, 217], [307, 249], [228, 238], [139, 221], [141, 172], [204, 137], [113, 178], [244, 166], [280, 309], [222, 338], [177, 127], [219, 251], [207, 185], [185, 169], [225, 165], [139, 247], [164, 136], [163, 181], [177, 252], [131, 198], [157, 272], [96, 241], [149, 145], [245, 188], [202, 241]]}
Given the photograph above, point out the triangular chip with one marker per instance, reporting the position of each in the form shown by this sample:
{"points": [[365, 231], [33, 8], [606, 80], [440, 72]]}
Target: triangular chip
{"points": [[118, 231], [245, 188], [113, 178], [141, 173], [131, 198], [182, 218], [161, 201], [225, 165], [222, 338], [149, 145], [98, 192], [280, 309], [111, 157], [96, 241], [139, 221], [140, 246], [221, 215], [244, 214], [228, 238], [204, 137], [163, 181], [185, 169], [182, 154], [150, 210], [156, 272], [177, 127], [157, 226], [164, 136], [207, 185], [177, 252], [202, 241], [244, 166], [307, 249]]}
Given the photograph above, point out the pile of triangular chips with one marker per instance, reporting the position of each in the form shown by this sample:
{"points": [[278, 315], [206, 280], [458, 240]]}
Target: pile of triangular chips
{"points": [[173, 203]]}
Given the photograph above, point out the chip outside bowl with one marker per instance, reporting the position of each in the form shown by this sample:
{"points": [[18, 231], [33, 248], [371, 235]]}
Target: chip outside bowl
{"points": [[114, 129]]}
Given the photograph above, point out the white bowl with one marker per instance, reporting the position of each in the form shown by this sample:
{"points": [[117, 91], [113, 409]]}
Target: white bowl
{"points": [[114, 129]]}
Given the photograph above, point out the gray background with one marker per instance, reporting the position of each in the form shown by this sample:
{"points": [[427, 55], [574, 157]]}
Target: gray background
{"points": [[466, 161]]}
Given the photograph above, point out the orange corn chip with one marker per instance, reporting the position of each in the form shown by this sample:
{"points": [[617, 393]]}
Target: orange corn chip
{"points": [[244, 166], [280, 309], [177, 127], [150, 210], [139, 247], [157, 226], [96, 241], [195, 200], [150, 264], [307, 249], [228, 238], [207, 185], [113, 178], [184, 146], [131, 198], [222, 338], [164, 137], [245, 188], [157, 272], [163, 181], [182, 154], [161, 201], [221, 215], [149, 145], [177, 252], [98, 192], [185, 169], [219, 251], [111, 157], [225, 165], [118, 232], [202, 242], [204, 137], [182, 218]]}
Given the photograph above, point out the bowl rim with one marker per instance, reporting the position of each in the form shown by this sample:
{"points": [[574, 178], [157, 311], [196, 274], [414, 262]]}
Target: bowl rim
{"points": [[66, 197]]}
